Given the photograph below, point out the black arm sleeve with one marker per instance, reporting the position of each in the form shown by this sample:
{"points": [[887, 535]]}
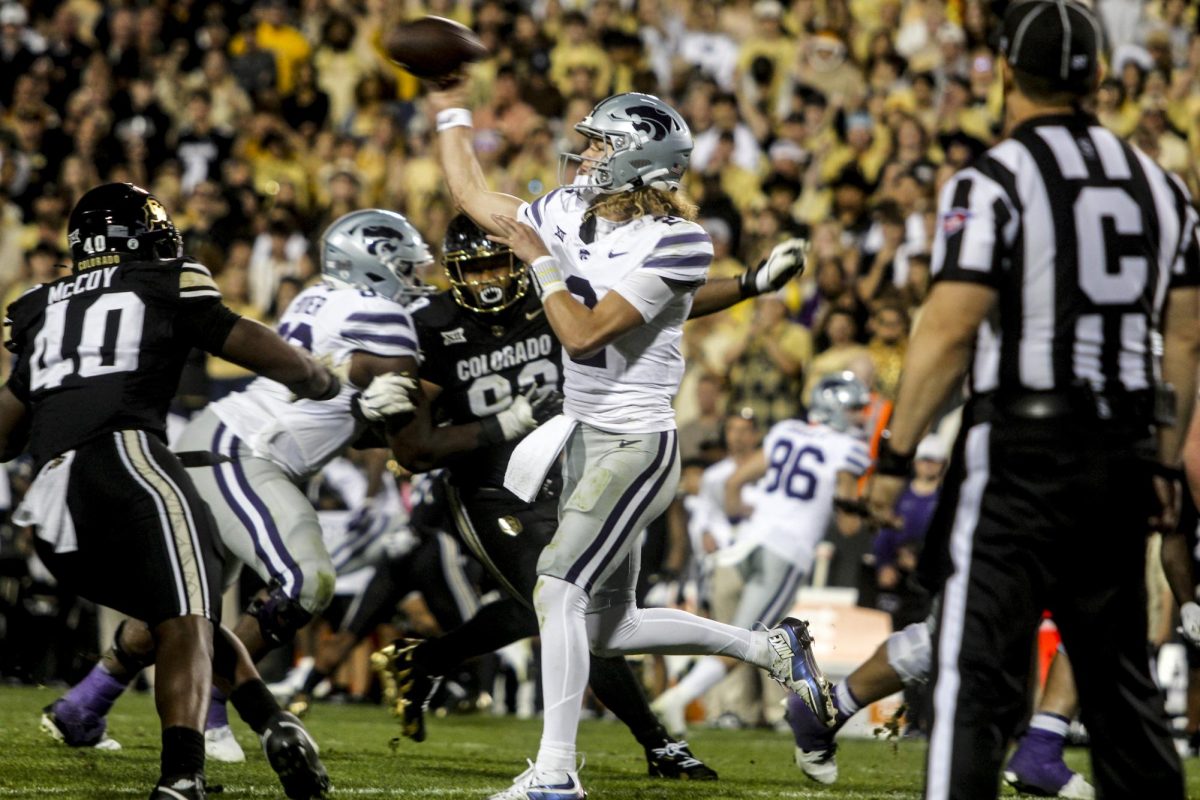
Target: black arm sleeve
{"points": [[205, 325]]}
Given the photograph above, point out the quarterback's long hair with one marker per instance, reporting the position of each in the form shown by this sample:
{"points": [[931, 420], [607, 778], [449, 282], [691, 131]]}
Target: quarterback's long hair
{"points": [[641, 201]]}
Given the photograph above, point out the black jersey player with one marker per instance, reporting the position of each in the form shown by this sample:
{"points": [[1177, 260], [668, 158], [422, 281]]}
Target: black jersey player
{"points": [[484, 342], [118, 521]]}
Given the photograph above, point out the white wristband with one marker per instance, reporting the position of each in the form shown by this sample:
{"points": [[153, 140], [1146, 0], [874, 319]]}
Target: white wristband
{"points": [[547, 276], [453, 118]]}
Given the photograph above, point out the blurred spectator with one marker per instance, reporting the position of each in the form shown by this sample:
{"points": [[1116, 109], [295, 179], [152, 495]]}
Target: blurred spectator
{"points": [[704, 46], [275, 35], [896, 548], [888, 343], [230, 102], [841, 330], [201, 145], [306, 109], [706, 425], [253, 65], [766, 371], [276, 255], [725, 122]]}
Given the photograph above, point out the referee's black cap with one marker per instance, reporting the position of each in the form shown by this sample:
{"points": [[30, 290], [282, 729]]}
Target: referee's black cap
{"points": [[1058, 40]]}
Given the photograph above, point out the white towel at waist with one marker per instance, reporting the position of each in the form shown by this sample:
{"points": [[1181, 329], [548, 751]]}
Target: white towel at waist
{"points": [[45, 505], [533, 457]]}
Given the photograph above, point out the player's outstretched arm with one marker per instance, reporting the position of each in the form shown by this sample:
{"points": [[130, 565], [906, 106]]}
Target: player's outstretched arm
{"points": [[258, 348], [14, 428], [786, 261], [456, 154]]}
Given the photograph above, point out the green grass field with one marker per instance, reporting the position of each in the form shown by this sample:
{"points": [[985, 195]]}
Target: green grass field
{"points": [[466, 756]]}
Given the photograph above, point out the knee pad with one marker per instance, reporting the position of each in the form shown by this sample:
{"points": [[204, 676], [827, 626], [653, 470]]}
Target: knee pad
{"points": [[131, 662], [910, 653], [279, 616]]}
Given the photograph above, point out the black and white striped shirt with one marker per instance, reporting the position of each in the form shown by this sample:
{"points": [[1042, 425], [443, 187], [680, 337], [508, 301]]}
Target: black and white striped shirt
{"points": [[1081, 235]]}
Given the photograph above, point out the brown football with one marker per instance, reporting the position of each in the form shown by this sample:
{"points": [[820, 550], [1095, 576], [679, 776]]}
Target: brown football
{"points": [[432, 47]]}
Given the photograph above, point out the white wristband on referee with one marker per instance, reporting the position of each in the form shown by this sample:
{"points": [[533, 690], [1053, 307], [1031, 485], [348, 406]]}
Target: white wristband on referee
{"points": [[547, 276], [453, 118]]}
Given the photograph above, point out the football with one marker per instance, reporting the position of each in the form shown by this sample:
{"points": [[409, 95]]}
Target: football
{"points": [[433, 47]]}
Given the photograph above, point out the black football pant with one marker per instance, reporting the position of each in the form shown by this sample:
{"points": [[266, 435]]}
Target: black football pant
{"points": [[146, 543], [507, 538], [1036, 515], [431, 568]]}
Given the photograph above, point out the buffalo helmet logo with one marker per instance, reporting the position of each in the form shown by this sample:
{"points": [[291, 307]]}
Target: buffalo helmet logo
{"points": [[654, 122]]}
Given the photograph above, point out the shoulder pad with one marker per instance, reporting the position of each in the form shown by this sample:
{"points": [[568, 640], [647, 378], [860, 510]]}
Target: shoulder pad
{"points": [[436, 312]]}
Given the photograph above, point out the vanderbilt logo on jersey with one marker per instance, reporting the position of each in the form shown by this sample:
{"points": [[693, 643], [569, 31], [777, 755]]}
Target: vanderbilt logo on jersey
{"points": [[455, 336]]}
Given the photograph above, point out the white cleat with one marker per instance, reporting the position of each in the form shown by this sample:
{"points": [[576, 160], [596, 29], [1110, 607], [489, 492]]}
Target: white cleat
{"points": [[51, 726], [672, 712], [1077, 789], [535, 784], [220, 745], [819, 765]]}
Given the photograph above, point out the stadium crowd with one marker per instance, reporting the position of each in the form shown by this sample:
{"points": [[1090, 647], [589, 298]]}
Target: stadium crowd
{"points": [[258, 122]]}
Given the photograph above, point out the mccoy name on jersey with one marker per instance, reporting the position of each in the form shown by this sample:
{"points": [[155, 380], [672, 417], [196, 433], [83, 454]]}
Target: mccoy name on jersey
{"points": [[102, 350], [301, 436], [655, 263], [794, 500], [481, 362]]}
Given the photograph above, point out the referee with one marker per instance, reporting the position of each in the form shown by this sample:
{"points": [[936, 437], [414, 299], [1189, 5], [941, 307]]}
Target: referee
{"points": [[1062, 256]]}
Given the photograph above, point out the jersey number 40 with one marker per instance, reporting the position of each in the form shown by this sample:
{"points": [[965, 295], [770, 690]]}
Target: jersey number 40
{"points": [[108, 336]]}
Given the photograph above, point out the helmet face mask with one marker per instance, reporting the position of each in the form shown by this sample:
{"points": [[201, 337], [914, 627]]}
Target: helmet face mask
{"points": [[118, 222], [485, 277], [646, 143], [839, 402], [375, 250]]}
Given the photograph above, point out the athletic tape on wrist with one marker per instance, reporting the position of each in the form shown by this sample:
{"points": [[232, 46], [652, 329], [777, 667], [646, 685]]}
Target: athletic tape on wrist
{"points": [[454, 118], [549, 277]]}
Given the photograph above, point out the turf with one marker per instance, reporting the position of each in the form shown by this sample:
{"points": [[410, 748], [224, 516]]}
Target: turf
{"points": [[465, 756]]}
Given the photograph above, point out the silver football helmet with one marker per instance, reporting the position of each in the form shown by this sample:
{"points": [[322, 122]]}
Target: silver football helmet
{"points": [[646, 143], [377, 250], [836, 398]]}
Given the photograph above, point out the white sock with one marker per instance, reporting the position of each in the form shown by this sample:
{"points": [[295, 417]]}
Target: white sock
{"points": [[702, 677], [666, 631], [556, 756], [1051, 723], [846, 701], [565, 658]]}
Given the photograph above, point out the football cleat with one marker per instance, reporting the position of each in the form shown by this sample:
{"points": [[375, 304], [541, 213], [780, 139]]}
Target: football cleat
{"points": [[816, 752], [76, 727], [535, 784], [671, 712], [299, 704], [293, 755], [675, 760], [1031, 771], [407, 687], [181, 787], [819, 765], [793, 666], [220, 745]]}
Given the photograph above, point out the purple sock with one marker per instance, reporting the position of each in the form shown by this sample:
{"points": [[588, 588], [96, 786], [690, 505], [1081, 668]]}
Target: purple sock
{"points": [[97, 691], [218, 713]]}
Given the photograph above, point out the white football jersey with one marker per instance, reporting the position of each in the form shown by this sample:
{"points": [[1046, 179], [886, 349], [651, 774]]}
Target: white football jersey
{"points": [[657, 264], [794, 501], [302, 436]]}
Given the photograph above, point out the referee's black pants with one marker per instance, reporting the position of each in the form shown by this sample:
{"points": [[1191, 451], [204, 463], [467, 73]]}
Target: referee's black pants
{"points": [[1036, 515]]}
